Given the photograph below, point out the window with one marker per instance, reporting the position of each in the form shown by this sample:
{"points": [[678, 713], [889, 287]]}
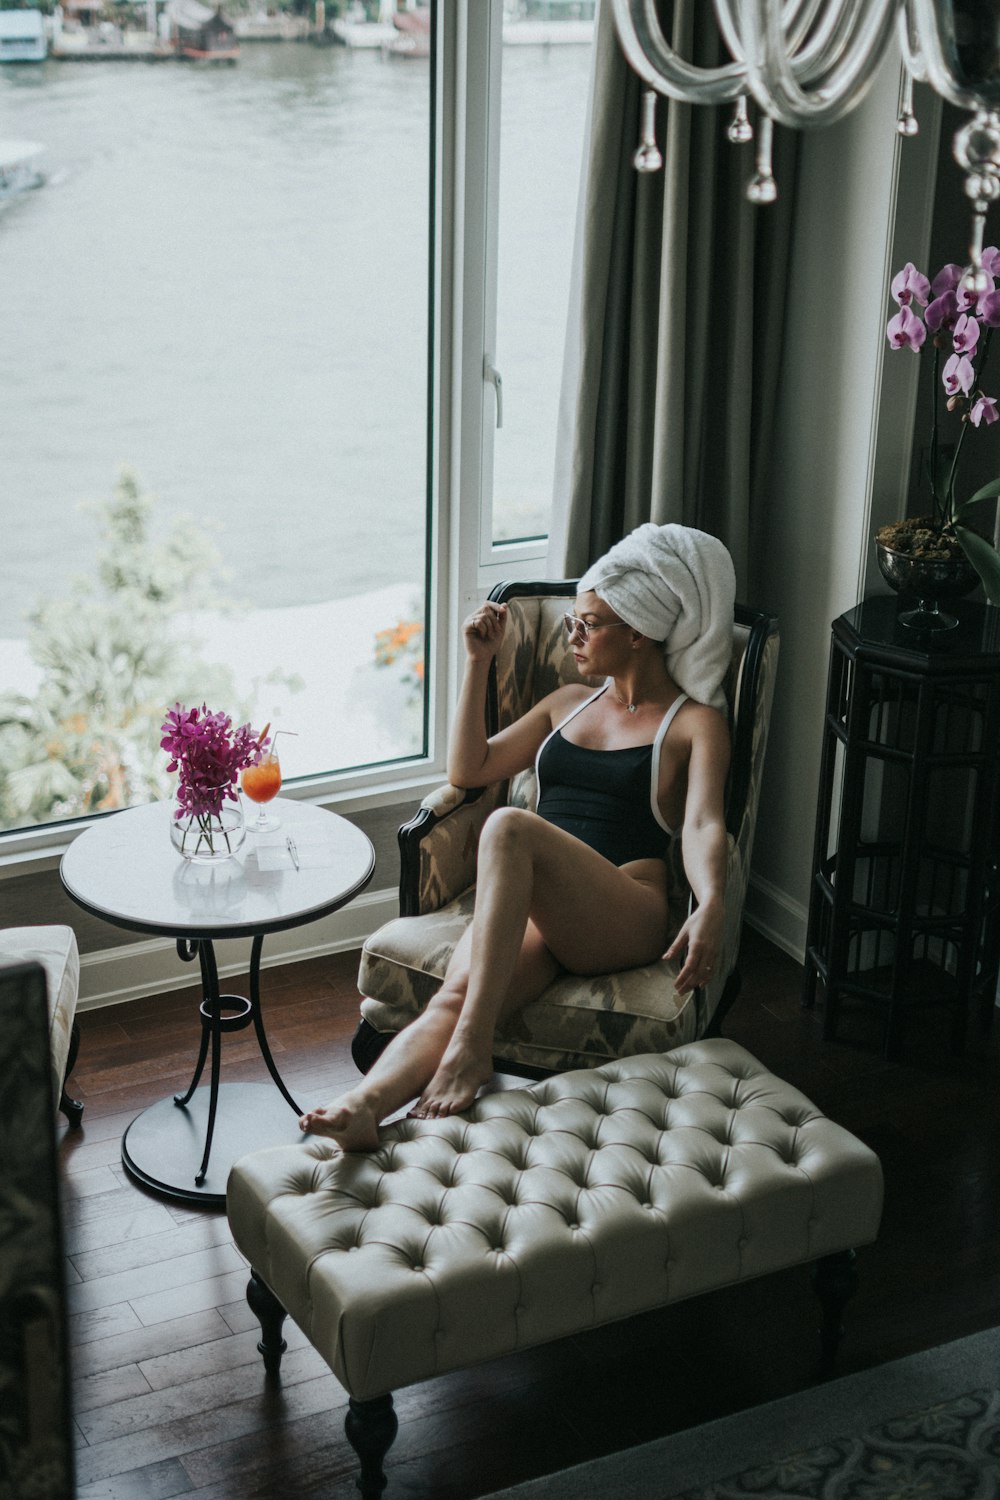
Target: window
{"points": [[269, 291], [221, 284]]}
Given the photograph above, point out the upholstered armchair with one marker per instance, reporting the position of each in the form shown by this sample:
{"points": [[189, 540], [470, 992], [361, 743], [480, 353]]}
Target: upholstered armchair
{"points": [[577, 1022], [55, 948]]}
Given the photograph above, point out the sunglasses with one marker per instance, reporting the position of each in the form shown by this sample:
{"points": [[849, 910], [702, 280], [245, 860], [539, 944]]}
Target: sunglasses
{"points": [[575, 626]]}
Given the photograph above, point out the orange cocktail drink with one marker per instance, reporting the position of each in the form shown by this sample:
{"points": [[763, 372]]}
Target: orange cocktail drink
{"points": [[260, 783]]}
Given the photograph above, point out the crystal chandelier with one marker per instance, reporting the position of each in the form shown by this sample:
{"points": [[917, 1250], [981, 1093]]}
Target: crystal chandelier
{"points": [[806, 63]]}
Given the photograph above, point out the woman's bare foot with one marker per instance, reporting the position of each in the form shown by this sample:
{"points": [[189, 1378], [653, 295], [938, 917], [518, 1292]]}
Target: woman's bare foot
{"points": [[349, 1121], [462, 1071]]}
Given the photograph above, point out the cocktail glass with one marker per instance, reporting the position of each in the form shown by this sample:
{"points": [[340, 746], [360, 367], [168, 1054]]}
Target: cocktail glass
{"points": [[260, 783]]}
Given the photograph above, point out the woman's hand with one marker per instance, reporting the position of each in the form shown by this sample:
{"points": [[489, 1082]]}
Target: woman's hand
{"points": [[700, 940], [483, 631]]}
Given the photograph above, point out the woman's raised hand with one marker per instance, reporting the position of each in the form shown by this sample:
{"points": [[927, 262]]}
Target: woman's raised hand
{"points": [[483, 631]]}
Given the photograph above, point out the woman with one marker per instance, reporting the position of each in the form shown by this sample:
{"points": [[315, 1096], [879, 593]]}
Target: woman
{"points": [[581, 884]]}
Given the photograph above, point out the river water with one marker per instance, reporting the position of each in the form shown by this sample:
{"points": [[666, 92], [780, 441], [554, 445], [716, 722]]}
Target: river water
{"points": [[223, 283]]}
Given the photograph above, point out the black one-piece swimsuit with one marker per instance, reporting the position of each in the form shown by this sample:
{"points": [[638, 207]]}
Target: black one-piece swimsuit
{"points": [[606, 798]]}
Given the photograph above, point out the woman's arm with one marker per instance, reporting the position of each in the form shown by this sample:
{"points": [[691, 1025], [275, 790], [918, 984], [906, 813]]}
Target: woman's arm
{"points": [[705, 849], [473, 759]]}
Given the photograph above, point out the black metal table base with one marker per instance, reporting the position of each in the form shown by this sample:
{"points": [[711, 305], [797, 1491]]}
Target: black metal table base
{"points": [[184, 1146], [162, 1148]]}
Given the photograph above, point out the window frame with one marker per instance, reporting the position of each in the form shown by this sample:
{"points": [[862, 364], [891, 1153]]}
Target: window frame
{"points": [[495, 561]]}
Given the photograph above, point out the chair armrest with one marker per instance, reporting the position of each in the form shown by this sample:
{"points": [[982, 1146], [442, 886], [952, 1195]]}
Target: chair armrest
{"points": [[437, 847]]}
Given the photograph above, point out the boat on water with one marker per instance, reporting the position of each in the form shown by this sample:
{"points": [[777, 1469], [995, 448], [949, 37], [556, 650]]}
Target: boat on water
{"points": [[355, 28], [537, 32], [406, 32], [403, 33], [547, 23], [19, 170], [413, 33], [200, 33], [260, 26], [22, 36]]}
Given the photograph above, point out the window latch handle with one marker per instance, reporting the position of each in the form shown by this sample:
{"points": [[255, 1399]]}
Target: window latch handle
{"points": [[492, 374]]}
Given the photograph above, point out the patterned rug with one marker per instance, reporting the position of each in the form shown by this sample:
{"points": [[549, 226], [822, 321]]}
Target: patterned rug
{"points": [[926, 1427], [949, 1451]]}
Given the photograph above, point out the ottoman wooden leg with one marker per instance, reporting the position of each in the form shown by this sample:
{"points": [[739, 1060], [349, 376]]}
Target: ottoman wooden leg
{"points": [[371, 1427], [835, 1280], [271, 1315]]}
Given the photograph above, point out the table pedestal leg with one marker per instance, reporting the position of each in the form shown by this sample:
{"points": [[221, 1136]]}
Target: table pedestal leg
{"points": [[152, 1147]]}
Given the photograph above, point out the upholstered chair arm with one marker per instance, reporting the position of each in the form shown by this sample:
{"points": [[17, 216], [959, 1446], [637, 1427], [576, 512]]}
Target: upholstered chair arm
{"points": [[437, 847]]}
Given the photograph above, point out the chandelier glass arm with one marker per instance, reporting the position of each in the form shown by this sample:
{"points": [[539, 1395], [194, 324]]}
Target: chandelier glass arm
{"points": [[863, 28], [797, 18], [909, 43], [650, 55], [814, 33], [931, 22]]}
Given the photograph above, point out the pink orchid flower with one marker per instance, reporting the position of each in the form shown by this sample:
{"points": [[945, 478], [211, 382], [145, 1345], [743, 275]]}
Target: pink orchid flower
{"points": [[905, 330], [991, 260], [946, 280], [966, 335], [989, 308], [942, 312], [984, 409], [958, 375], [909, 284], [967, 298]]}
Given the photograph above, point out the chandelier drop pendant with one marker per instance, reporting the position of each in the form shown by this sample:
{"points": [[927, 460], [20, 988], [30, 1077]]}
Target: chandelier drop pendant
{"points": [[808, 63], [648, 158]]}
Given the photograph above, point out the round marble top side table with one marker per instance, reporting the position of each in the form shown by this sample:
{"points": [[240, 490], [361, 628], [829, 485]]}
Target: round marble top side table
{"points": [[125, 870]]}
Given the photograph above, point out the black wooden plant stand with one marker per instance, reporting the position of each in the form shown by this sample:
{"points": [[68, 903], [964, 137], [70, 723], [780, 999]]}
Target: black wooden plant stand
{"points": [[905, 899]]}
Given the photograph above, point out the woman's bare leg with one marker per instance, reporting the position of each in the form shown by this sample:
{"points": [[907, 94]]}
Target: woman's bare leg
{"points": [[412, 1058], [592, 916]]}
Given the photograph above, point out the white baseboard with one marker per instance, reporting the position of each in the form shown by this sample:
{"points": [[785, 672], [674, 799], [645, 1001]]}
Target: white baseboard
{"points": [[773, 913], [112, 975]]}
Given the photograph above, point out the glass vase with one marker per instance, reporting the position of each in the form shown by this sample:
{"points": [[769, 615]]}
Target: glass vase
{"points": [[207, 837], [931, 581]]}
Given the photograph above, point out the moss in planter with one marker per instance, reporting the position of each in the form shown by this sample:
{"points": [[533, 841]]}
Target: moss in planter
{"points": [[917, 536]]}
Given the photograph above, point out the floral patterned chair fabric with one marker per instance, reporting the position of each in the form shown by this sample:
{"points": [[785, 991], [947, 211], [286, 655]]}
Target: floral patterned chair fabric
{"points": [[577, 1022]]}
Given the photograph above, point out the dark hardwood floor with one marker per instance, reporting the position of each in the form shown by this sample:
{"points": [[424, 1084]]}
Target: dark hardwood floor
{"points": [[170, 1396]]}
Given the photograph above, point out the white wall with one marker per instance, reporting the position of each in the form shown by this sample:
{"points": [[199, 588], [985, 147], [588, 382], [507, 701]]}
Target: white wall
{"points": [[842, 451]]}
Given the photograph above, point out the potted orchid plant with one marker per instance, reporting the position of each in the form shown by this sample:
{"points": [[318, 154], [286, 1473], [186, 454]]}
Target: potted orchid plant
{"points": [[208, 753], [955, 316]]}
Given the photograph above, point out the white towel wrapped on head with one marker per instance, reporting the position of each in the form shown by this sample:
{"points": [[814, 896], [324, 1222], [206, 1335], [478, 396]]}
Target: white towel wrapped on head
{"points": [[676, 585]]}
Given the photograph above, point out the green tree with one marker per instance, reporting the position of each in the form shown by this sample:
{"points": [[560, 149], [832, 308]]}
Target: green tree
{"points": [[114, 655]]}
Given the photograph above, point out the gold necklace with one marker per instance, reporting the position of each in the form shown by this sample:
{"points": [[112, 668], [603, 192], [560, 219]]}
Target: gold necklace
{"points": [[628, 707]]}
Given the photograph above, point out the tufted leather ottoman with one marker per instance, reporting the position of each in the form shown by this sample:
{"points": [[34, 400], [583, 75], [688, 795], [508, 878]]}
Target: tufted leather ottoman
{"points": [[544, 1211]]}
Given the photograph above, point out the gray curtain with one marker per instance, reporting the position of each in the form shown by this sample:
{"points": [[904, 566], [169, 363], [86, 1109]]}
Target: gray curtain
{"points": [[673, 366]]}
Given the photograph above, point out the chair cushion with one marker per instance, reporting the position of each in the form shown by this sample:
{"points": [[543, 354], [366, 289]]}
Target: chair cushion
{"points": [[55, 948], [579, 1022]]}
